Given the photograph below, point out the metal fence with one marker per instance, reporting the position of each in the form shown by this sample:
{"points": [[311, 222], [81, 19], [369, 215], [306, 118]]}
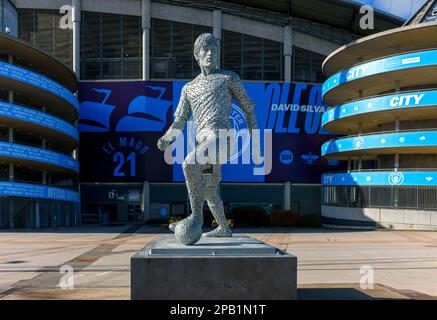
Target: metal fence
{"points": [[396, 197], [21, 213]]}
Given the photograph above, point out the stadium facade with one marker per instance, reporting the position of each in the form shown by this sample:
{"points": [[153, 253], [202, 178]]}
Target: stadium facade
{"points": [[132, 58], [383, 89], [38, 109]]}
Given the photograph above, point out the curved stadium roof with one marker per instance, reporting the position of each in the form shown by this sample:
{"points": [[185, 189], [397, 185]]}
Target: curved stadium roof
{"points": [[342, 14], [403, 9]]}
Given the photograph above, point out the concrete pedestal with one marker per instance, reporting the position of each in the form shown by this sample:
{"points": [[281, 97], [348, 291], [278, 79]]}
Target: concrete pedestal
{"points": [[238, 267]]}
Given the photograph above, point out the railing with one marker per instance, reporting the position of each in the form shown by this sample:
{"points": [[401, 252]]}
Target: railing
{"points": [[394, 197], [384, 170], [378, 133]]}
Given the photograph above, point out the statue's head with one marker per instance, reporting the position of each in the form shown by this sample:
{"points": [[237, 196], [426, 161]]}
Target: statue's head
{"points": [[206, 50]]}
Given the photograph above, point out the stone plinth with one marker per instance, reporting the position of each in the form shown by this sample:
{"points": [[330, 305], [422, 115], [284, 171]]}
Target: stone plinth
{"points": [[237, 267]]}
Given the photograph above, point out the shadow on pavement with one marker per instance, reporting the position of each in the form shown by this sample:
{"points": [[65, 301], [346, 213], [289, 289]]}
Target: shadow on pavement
{"points": [[333, 294]]}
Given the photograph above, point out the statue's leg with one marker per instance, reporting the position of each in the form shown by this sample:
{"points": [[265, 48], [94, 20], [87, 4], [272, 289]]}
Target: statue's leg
{"points": [[195, 182], [215, 204], [195, 179]]}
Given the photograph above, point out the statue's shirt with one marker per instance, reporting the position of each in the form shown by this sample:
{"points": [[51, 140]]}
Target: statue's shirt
{"points": [[209, 98]]}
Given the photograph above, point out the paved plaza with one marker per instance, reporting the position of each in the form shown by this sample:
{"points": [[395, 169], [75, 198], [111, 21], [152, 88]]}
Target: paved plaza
{"points": [[331, 263]]}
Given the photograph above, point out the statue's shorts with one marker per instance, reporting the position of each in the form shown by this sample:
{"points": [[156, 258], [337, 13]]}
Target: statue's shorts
{"points": [[213, 149]]}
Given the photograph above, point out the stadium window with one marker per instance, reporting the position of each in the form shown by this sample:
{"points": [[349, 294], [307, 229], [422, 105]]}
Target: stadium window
{"points": [[232, 58], [131, 47], [111, 46], [272, 60], [111, 68], [44, 31], [4, 171], [4, 133], [111, 36], [41, 29], [252, 58], [171, 48], [307, 66], [182, 51], [316, 63], [160, 60], [301, 65], [91, 38], [63, 46], [26, 174], [25, 25]]}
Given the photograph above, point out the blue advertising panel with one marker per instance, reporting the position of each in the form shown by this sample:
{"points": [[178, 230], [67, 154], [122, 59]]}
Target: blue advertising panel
{"points": [[34, 79], [14, 111], [120, 123], [27, 190], [382, 178], [413, 99], [383, 140], [393, 63], [13, 150]]}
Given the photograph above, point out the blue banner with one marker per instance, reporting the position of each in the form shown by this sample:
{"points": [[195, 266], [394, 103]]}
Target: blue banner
{"points": [[400, 101], [121, 122], [389, 64], [14, 111], [382, 140], [27, 190], [12, 150], [381, 178], [34, 79]]}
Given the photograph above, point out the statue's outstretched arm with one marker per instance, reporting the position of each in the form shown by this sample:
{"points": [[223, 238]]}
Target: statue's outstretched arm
{"points": [[181, 116]]}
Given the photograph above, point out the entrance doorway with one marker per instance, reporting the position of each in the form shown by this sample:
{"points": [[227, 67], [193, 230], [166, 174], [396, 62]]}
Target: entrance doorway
{"points": [[134, 212], [99, 213]]}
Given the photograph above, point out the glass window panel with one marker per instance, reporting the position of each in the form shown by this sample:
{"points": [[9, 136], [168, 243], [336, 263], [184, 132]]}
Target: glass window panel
{"points": [[4, 133], [91, 70], [301, 65], [182, 51], [272, 60], [232, 51], [111, 36], [317, 62], [63, 42], [25, 137], [111, 69], [132, 68], [131, 37], [160, 68], [252, 58], [160, 49], [44, 30], [161, 38], [4, 171], [91, 35], [25, 22], [23, 173]]}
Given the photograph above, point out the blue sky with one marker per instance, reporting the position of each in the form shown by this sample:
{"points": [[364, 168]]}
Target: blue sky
{"points": [[400, 8]]}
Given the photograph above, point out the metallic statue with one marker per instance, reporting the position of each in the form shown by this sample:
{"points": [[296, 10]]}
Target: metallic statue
{"points": [[209, 98]]}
